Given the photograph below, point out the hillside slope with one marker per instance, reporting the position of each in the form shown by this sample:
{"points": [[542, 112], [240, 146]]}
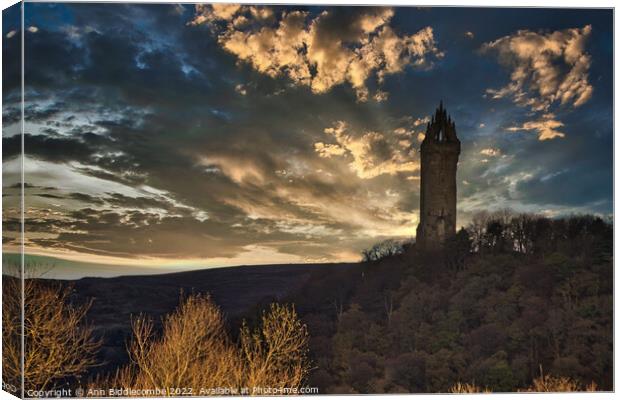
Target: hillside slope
{"points": [[504, 300], [236, 290]]}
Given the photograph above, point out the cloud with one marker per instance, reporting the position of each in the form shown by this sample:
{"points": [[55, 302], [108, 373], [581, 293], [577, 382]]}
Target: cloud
{"points": [[329, 150], [547, 68], [372, 154], [214, 12], [241, 89], [491, 152], [415, 130], [106, 126], [381, 96], [421, 121], [320, 51], [469, 34], [272, 188], [546, 127]]}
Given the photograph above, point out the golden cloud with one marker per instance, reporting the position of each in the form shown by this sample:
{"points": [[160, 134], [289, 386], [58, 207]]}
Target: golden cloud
{"points": [[319, 52], [546, 126], [491, 152], [372, 154], [546, 68]]}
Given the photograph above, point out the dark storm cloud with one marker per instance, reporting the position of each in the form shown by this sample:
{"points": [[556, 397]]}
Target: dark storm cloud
{"points": [[53, 149], [11, 50], [49, 195], [181, 151], [52, 60], [118, 199], [11, 115], [138, 233], [86, 198], [27, 185]]}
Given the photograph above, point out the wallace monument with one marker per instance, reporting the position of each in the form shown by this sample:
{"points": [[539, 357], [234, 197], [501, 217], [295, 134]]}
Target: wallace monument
{"points": [[440, 151]]}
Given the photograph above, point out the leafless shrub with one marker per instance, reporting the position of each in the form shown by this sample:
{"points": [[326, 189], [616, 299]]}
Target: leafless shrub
{"points": [[549, 383], [467, 388], [57, 343], [274, 355], [194, 352]]}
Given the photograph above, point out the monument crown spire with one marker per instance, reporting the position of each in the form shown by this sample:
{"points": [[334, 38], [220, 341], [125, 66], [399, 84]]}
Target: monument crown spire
{"points": [[441, 127]]}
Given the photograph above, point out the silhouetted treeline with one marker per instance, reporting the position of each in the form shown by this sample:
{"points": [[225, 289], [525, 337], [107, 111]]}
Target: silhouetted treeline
{"points": [[508, 295], [531, 234], [381, 250]]}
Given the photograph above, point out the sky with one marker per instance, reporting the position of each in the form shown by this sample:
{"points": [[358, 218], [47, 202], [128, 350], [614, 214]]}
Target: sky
{"points": [[171, 135]]}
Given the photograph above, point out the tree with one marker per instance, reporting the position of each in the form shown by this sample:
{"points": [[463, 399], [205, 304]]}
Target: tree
{"points": [[275, 354], [57, 343], [457, 249], [521, 229], [378, 251], [195, 352], [529, 290]]}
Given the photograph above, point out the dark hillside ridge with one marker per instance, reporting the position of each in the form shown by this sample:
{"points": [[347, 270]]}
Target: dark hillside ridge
{"points": [[512, 295], [238, 291]]}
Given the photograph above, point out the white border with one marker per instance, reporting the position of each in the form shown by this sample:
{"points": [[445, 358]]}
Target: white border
{"points": [[461, 3]]}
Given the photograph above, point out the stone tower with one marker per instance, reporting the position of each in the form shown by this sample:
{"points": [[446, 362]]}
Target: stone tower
{"points": [[440, 151]]}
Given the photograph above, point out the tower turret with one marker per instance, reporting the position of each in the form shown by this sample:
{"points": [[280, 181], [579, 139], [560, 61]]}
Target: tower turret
{"points": [[440, 151]]}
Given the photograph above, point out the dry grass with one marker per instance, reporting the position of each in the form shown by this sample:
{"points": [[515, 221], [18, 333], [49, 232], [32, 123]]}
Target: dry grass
{"points": [[549, 383], [195, 352], [467, 388], [592, 387], [542, 384], [557, 384], [57, 344]]}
